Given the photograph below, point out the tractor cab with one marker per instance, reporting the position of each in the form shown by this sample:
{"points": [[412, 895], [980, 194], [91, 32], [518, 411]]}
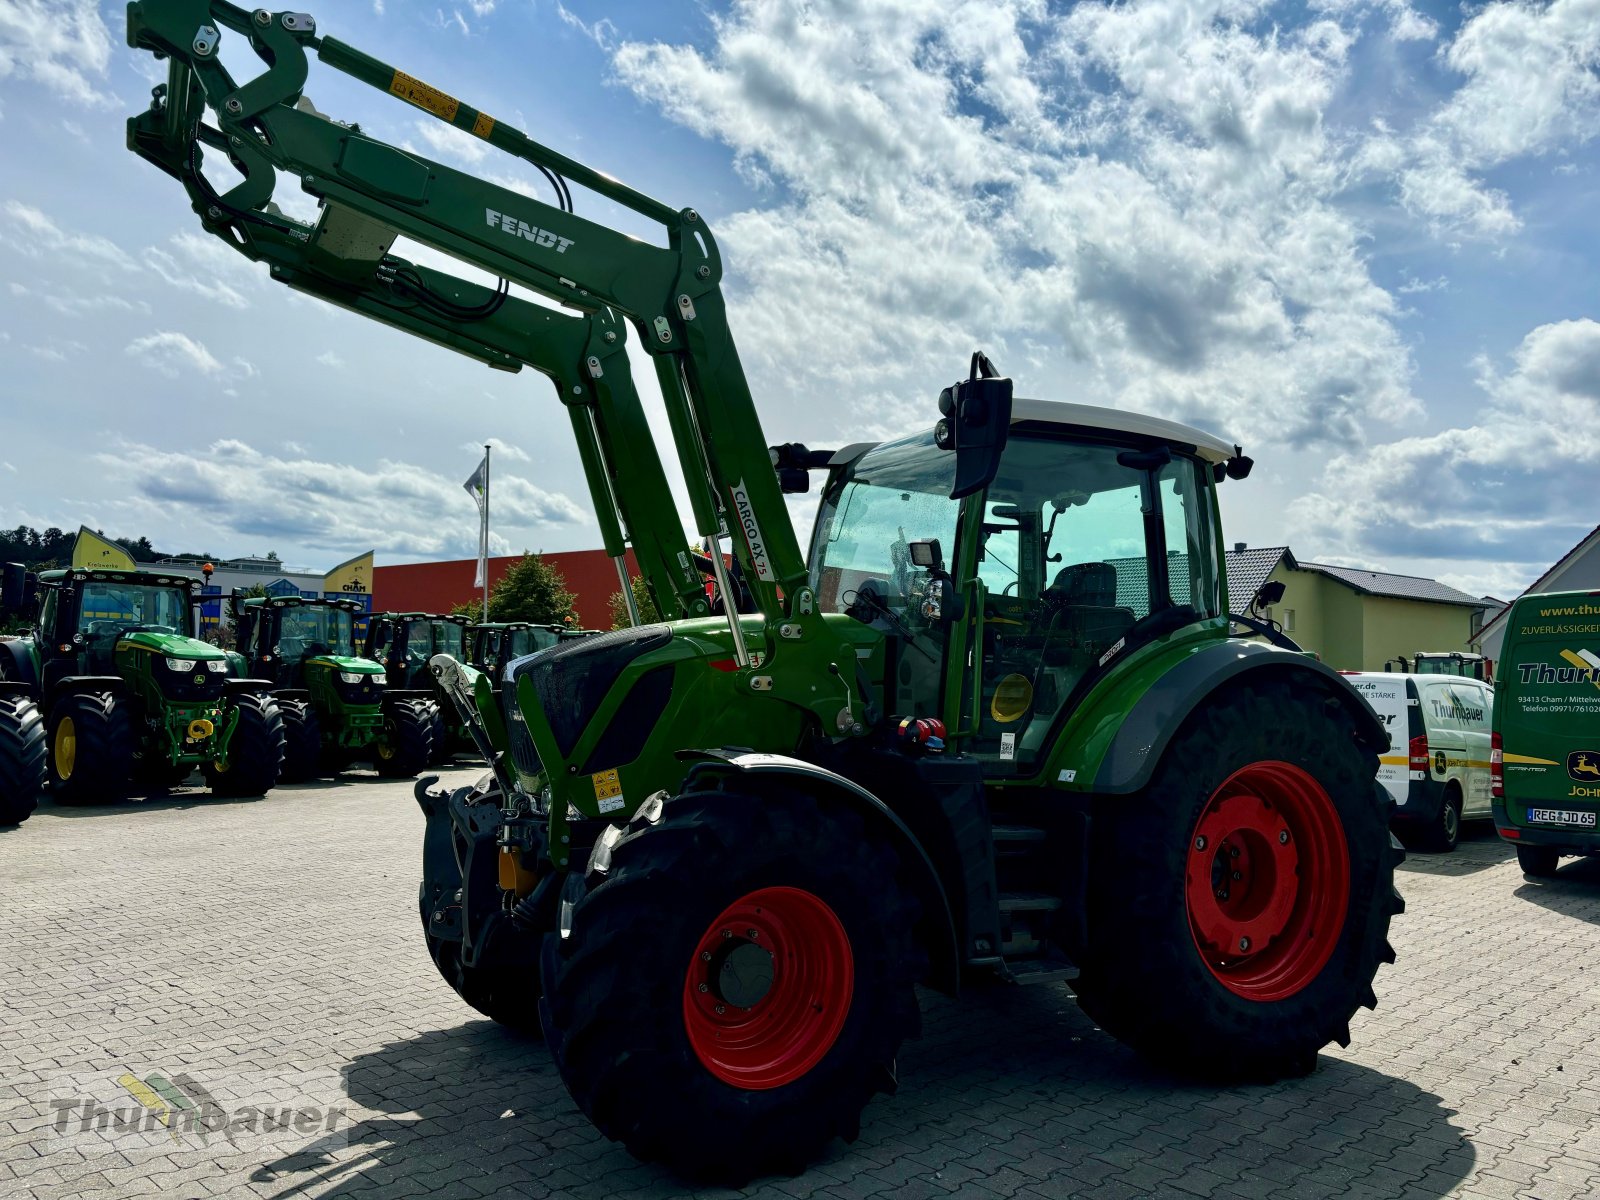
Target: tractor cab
{"points": [[102, 622], [404, 642], [1096, 538], [491, 646], [288, 639]]}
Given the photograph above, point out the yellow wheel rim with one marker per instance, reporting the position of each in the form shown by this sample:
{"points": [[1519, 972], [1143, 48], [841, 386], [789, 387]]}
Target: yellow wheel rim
{"points": [[385, 751], [66, 748]]}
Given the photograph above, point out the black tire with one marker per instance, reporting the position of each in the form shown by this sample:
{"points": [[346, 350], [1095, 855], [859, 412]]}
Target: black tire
{"points": [[407, 741], [1442, 836], [442, 751], [506, 994], [89, 761], [1146, 980], [256, 751], [302, 734], [617, 1002], [22, 755], [1539, 862]]}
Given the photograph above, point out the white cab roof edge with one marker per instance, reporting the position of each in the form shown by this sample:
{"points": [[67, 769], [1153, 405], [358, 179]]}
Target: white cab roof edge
{"points": [[1055, 412]]}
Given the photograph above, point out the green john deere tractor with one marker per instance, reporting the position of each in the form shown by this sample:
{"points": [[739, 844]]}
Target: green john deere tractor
{"points": [[403, 643], [337, 707], [129, 694], [994, 723], [22, 753]]}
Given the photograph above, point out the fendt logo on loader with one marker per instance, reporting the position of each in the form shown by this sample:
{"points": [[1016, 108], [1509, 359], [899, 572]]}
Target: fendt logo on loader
{"points": [[509, 224]]}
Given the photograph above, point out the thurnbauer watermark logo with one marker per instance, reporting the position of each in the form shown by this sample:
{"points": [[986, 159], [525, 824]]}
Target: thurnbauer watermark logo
{"points": [[122, 1110]]}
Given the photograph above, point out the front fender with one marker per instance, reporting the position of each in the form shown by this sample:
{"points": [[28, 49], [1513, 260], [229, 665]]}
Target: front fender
{"points": [[944, 963], [1141, 739]]}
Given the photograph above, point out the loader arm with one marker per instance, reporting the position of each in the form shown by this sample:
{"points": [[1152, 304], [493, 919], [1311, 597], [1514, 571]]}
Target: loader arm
{"points": [[373, 192], [348, 263]]}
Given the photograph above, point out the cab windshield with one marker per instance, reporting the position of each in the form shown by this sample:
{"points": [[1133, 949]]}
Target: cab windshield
{"points": [[310, 630], [448, 638], [113, 608]]}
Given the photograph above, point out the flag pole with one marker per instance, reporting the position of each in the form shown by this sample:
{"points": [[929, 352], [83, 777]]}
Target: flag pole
{"points": [[483, 537]]}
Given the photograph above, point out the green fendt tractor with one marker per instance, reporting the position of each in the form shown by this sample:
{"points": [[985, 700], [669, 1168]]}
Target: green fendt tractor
{"points": [[337, 707], [994, 725], [127, 691], [403, 643]]}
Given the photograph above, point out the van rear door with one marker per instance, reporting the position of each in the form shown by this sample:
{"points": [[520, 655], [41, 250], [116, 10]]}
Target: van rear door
{"points": [[1387, 694]]}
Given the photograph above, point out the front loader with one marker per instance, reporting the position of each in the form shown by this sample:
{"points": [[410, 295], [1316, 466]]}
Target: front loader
{"points": [[129, 694], [337, 707], [994, 723]]}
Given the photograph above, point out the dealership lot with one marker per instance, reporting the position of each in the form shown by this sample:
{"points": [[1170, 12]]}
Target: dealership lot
{"points": [[273, 944]]}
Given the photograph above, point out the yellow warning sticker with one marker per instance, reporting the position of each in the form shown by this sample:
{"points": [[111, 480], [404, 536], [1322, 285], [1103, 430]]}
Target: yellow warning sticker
{"points": [[423, 96], [607, 791], [483, 126]]}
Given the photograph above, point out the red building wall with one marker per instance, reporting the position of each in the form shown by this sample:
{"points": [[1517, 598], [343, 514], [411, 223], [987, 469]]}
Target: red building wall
{"points": [[437, 586]]}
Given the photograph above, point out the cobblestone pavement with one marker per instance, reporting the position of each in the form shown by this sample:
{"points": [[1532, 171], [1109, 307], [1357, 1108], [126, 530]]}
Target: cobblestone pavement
{"points": [[278, 938]]}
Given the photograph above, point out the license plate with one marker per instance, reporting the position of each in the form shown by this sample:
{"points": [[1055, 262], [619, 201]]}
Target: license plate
{"points": [[1561, 816]]}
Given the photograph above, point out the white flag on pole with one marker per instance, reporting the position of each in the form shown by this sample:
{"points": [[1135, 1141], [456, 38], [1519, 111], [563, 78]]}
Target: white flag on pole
{"points": [[478, 488]]}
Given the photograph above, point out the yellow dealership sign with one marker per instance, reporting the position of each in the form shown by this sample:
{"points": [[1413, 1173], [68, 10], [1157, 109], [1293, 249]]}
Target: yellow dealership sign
{"points": [[91, 551], [352, 578]]}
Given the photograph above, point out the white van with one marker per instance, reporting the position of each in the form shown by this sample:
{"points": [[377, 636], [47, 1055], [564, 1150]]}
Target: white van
{"points": [[1437, 766]]}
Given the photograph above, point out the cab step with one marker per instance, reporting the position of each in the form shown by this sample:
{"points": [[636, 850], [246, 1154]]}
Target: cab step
{"points": [[1018, 833], [1011, 902]]}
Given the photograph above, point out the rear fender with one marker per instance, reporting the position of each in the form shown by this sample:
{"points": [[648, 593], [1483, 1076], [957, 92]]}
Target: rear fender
{"points": [[12, 687], [1164, 706], [939, 928], [17, 664]]}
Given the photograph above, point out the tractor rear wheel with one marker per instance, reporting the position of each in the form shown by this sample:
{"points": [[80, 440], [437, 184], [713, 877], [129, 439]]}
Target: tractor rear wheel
{"points": [[734, 985], [302, 733], [91, 749], [22, 755], [441, 736], [407, 741], [1239, 907], [255, 752]]}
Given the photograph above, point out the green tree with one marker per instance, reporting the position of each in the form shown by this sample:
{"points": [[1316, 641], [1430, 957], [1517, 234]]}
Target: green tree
{"points": [[648, 613], [532, 590]]}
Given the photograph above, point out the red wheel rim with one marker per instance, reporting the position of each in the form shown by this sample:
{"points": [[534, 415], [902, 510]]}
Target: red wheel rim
{"points": [[768, 988], [1267, 882]]}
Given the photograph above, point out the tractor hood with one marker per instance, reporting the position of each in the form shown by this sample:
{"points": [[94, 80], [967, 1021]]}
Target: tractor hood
{"points": [[339, 662], [172, 645]]}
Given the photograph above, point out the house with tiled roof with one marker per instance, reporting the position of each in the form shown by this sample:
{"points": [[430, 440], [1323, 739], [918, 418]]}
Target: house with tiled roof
{"points": [[1353, 618]]}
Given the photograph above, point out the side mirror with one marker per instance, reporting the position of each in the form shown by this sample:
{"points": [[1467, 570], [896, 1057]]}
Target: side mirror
{"points": [[1268, 594], [16, 588], [975, 424]]}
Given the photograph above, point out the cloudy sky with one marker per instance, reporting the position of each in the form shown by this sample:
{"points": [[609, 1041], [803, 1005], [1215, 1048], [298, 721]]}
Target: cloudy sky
{"points": [[1357, 237]]}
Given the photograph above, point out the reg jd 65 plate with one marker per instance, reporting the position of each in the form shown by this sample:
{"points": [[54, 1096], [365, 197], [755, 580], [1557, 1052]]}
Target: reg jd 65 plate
{"points": [[1561, 816]]}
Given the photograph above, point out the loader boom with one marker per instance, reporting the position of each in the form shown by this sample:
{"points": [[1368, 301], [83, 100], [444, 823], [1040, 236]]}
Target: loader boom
{"points": [[373, 193]]}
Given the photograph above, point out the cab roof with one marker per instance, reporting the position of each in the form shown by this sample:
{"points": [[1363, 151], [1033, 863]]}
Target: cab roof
{"points": [[1114, 420], [146, 578]]}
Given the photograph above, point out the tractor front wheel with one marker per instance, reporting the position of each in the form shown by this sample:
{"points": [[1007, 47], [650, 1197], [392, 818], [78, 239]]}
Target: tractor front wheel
{"points": [[1239, 907], [22, 755], [302, 733], [255, 752], [407, 742], [91, 749], [733, 986], [441, 736]]}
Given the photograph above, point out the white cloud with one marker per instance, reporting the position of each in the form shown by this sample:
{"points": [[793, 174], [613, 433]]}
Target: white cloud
{"points": [[1131, 204], [1531, 87], [1504, 490], [502, 449], [602, 32], [448, 142], [330, 359], [33, 233], [397, 507], [174, 354], [61, 45]]}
